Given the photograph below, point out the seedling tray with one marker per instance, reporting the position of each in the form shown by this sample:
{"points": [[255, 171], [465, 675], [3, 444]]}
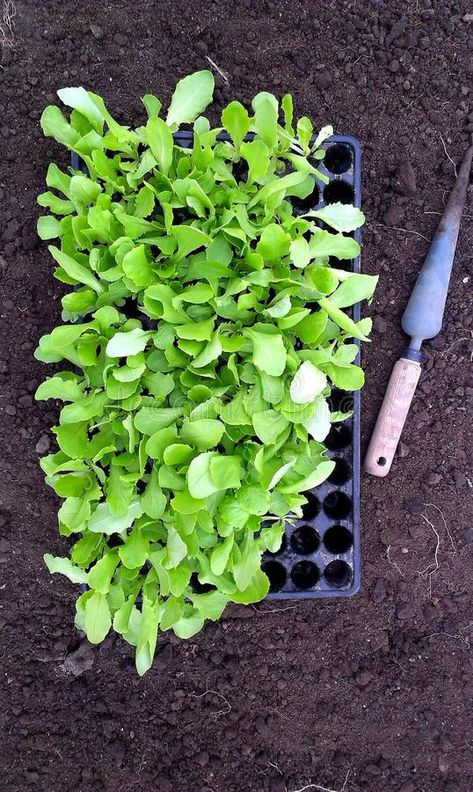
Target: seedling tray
{"points": [[320, 554]]}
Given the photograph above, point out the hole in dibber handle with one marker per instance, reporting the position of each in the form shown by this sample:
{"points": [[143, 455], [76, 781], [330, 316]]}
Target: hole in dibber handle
{"points": [[392, 417]]}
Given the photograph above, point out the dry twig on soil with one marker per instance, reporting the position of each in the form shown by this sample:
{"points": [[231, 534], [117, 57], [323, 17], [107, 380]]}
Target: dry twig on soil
{"points": [[433, 566], [322, 788], [7, 38]]}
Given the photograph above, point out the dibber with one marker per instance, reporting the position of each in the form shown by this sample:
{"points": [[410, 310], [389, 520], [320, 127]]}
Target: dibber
{"points": [[422, 319]]}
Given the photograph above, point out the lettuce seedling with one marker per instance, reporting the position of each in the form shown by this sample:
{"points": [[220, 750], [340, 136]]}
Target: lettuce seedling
{"points": [[197, 369]]}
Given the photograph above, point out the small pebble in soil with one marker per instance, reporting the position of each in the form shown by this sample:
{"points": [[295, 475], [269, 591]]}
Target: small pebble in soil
{"points": [[96, 31], [432, 479], [414, 506], [43, 444], [378, 592]]}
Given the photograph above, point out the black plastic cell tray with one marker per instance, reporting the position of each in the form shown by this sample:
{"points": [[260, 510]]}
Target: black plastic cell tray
{"points": [[320, 554]]}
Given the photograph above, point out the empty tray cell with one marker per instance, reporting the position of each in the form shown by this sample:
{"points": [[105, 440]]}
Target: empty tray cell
{"points": [[339, 192], [341, 401], [338, 573], [338, 158], [276, 573], [305, 574], [341, 472], [310, 509], [305, 540], [339, 437], [337, 505], [302, 205], [338, 539]]}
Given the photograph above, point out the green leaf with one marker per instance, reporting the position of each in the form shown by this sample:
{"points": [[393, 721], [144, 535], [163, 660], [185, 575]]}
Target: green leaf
{"points": [[269, 425], [199, 480], [83, 190], [103, 521], [189, 239], [274, 243], [153, 500], [55, 125], [81, 100], [318, 425], [256, 153], [210, 605], [256, 590], [210, 352], [269, 352], [119, 491], [65, 567], [324, 243], [342, 319], [304, 132], [313, 479], [171, 612], [62, 387], [220, 555], [245, 569], [150, 419], [203, 434], [175, 547], [253, 499], [190, 98], [135, 551], [48, 227], [124, 344], [236, 121], [77, 272], [353, 290], [342, 217], [100, 576], [307, 383], [225, 471], [152, 104], [161, 143], [73, 513], [136, 266], [288, 110], [300, 252], [266, 117], [97, 617], [188, 626]]}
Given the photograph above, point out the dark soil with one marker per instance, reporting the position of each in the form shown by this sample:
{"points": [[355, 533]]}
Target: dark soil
{"points": [[371, 694]]}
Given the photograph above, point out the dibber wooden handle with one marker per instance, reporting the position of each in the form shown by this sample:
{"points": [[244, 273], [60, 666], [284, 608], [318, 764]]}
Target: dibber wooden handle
{"points": [[392, 417]]}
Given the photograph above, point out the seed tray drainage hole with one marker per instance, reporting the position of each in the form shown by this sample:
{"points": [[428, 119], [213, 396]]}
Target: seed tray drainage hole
{"points": [[339, 192], [338, 539], [341, 472], [341, 401], [338, 158], [338, 574], [338, 437], [337, 505], [302, 205], [305, 540], [305, 574], [276, 573], [311, 508]]}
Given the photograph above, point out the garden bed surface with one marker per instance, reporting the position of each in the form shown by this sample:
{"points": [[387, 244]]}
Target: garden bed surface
{"points": [[362, 695]]}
